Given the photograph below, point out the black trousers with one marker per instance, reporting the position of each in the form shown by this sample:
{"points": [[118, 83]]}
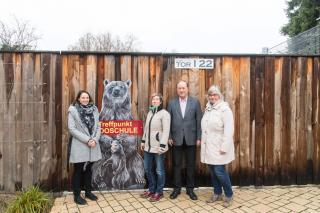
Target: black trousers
{"points": [[80, 174], [190, 157]]}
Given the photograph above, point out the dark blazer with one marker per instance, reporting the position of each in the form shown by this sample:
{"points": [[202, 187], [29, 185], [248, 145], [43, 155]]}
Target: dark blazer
{"points": [[188, 127]]}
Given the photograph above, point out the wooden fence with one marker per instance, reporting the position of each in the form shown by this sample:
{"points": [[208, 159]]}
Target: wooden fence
{"points": [[275, 101]]}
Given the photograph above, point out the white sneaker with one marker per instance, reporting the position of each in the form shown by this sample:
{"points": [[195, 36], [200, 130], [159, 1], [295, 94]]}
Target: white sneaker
{"points": [[214, 198], [227, 202]]}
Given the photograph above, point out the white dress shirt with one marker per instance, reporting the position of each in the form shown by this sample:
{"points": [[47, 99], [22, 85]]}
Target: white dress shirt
{"points": [[183, 105]]}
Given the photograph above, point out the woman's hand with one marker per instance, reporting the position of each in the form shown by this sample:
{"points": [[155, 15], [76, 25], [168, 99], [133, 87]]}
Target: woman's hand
{"points": [[92, 143], [142, 146]]}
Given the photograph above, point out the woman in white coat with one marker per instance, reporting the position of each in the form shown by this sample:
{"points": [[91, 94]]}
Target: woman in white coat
{"points": [[217, 148]]}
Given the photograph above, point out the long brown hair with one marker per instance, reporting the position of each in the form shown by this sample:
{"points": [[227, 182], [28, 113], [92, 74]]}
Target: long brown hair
{"points": [[76, 101]]}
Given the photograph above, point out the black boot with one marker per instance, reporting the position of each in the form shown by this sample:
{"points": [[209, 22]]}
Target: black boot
{"points": [[191, 194], [91, 196], [79, 200]]}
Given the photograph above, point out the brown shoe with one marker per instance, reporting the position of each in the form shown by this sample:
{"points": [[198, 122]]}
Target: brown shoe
{"points": [[155, 197], [146, 194]]}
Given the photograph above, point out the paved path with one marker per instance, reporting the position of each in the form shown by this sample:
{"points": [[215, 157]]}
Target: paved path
{"points": [[246, 199]]}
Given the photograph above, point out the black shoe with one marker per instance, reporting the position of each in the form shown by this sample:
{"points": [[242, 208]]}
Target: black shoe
{"points": [[91, 196], [192, 195], [79, 200], [174, 194]]}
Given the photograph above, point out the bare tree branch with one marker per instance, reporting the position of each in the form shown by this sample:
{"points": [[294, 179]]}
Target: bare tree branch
{"points": [[21, 36], [105, 42]]}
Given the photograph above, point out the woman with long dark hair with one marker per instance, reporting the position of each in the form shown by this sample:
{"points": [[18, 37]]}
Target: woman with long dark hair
{"points": [[84, 127]]}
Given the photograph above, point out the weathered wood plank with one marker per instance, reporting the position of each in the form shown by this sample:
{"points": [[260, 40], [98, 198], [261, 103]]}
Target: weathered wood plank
{"points": [[27, 116], [81, 71], [56, 119], [236, 115], [308, 121], [245, 170], [47, 119], [117, 67], [125, 67], [317, 127], [288, 175], [277, 116], [252, 113], [109, 66], [143, 85], [172, 86], [315, 117], [217, 75], [18, 119], [194, 82], [9, 121], [301, 151], [159, 74], [293, 115], [134, 86], [152, 75], [2, 112], [100, 79], [202, 88], [270, 169], [92, 76], [65, 101], [38, 119], [165, 92], [259, 121]]}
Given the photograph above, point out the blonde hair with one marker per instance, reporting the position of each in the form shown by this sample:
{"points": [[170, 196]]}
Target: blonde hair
{"points": [[214, 89]]}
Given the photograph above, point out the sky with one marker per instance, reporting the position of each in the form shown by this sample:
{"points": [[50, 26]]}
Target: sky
{"points": [[181, 26]]}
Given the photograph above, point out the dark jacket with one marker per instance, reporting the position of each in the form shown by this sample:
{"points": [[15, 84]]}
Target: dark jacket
{"points": [[188, 127]]}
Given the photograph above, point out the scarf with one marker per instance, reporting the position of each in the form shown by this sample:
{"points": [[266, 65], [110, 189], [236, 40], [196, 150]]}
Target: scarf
{"points": [[86, 115], [210, 106], [155, 109]]}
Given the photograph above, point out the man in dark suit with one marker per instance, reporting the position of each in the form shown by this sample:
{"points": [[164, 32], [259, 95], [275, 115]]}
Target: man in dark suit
{"points": [[185, 135]]}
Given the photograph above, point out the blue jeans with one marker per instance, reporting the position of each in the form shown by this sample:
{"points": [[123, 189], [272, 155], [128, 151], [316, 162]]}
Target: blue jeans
{"points": [[156, 180], [220, 179]]}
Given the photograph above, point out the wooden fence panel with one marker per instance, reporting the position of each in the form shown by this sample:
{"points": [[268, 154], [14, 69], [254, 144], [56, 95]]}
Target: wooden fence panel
{"points": [[275, 101]]}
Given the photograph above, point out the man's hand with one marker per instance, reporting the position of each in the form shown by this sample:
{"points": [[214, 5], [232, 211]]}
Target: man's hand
{"points": [[198, 143], [170, 142]]}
